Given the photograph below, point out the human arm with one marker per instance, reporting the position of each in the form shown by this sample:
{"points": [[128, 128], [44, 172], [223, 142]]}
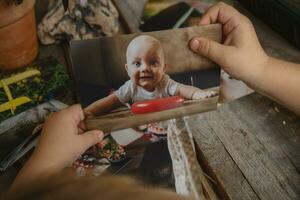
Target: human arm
{"points": [[103, 105], [60, 144], [281, 82], [242, 56], [191, 92]]}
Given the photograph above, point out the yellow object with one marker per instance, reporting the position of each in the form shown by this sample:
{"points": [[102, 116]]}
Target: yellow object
{"points": [[12, 103]]}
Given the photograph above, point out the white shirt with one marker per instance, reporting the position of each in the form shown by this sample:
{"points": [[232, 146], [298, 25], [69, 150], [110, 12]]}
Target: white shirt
{"points": [[130, 92]]}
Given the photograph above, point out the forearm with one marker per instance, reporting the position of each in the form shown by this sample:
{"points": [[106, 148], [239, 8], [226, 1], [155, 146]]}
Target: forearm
{"points": [[103, 106], [34, 170], [280, 80], [186, 91], [99, 107]]}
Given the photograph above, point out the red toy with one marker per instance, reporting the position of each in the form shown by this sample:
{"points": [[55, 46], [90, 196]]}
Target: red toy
{"points": [[155, 105]]}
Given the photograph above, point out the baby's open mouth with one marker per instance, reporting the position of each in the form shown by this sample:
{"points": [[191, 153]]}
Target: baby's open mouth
{"points": [[146, 77]]}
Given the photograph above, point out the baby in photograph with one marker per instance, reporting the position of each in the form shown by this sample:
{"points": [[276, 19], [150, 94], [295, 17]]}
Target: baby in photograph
{"points": [[145, 65]]}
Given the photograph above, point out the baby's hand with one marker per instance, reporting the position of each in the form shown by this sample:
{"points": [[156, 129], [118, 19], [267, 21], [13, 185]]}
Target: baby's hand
{"points": [[200, 94], [240, 55]]}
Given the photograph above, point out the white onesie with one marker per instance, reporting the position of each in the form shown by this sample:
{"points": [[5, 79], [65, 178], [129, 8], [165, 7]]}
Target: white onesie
{"points": [[130, 92]]}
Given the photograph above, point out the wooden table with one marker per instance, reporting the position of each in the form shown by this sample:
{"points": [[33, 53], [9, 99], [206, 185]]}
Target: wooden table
{"points": [[251, 148]]}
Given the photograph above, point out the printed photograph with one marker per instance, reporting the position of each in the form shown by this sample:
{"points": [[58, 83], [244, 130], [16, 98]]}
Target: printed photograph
{"points": [[129, 87]]}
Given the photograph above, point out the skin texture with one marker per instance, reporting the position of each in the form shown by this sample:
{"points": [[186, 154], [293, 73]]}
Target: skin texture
{"points": [[61, 186], [145, 62], [102, 106], [242, 57], [61, 142]]}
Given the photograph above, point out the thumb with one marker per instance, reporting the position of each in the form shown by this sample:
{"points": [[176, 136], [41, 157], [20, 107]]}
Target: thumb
{"points": [[91, 138], [210, 49]]}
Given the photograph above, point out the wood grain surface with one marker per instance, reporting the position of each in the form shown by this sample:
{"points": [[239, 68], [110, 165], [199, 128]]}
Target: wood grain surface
{"points": [[252, 147]]}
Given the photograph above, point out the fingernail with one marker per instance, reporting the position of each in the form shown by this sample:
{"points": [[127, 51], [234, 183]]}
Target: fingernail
{"points": [[195, 44]]}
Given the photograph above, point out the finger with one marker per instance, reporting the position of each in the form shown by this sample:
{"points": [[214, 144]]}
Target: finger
{"points": [[210, 16], [220, 13], [81, 125], [88, 113], [80, 131], [74, 113], [90, 138], [210, 49]]}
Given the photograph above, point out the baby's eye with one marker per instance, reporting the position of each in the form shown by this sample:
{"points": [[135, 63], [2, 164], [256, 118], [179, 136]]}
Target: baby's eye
{"points": [[154, 62], [137, 64]]}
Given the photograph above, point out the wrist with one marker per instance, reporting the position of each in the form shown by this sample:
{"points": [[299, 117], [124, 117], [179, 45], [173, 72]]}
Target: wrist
{"points": [[255, 78], [33, 171], [45, 164], [193, 94]]}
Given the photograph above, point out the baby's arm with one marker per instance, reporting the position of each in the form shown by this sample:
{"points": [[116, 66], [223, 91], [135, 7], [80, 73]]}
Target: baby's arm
{"points": [[102, 106], [190, 92]]}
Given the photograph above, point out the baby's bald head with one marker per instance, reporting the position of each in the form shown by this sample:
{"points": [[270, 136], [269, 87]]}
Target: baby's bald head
{"points": [[143, 42]]}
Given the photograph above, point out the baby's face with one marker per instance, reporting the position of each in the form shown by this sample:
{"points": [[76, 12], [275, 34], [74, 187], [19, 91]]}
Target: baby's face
{"points": [[145, 62]]}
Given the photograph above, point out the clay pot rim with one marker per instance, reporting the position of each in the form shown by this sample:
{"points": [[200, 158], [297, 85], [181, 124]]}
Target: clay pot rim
{"points": [[27, 7]]}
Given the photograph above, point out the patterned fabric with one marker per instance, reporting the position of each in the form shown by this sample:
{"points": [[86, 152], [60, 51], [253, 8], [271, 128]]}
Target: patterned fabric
{"points": [[94, 18], [187, 171]]}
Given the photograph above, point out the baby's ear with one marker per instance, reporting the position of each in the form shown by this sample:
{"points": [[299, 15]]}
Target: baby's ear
{"points": [[126, 67], [165, 67]]}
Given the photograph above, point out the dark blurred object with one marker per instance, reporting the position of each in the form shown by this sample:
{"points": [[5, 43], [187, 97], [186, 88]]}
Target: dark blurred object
{"points": [[167, 18], [20, 150], [156, 165], [65, 4], [18, 2], [282, 15]]}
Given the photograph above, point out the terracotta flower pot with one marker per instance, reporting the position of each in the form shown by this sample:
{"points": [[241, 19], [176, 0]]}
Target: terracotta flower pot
{"points": [[18, 38]]}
